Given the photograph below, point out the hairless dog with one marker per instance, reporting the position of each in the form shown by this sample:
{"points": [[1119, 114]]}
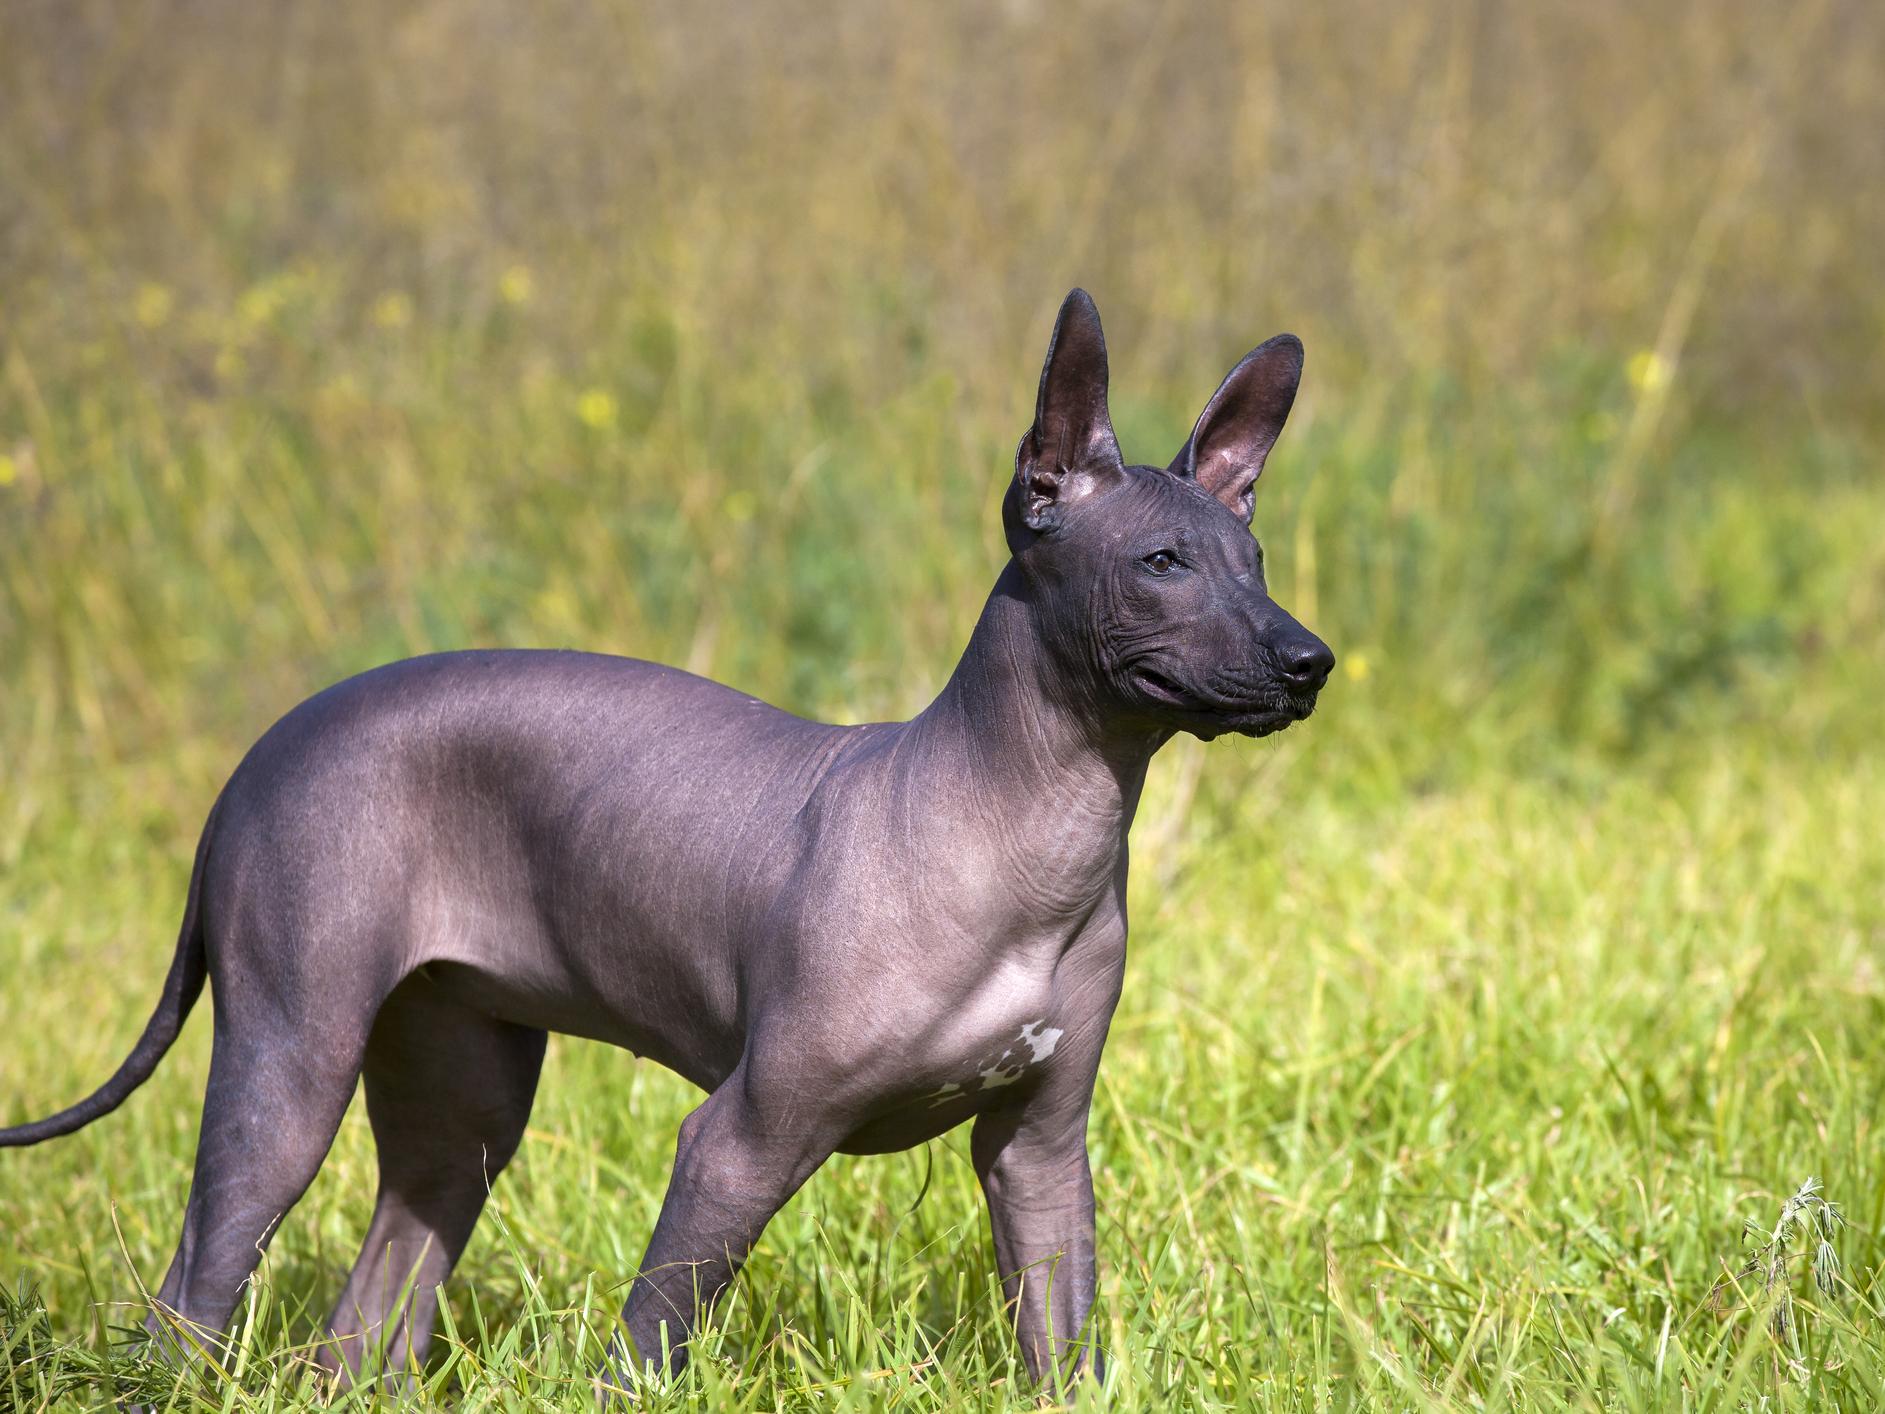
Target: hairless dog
{"points": [[852, 938]]}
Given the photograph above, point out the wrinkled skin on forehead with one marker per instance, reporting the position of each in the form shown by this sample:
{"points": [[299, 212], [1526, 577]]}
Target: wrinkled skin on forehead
{"points": [[851, 937]]}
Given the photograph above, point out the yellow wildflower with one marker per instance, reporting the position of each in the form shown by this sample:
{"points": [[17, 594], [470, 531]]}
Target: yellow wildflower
{"points": [[596, 409], [152, 305], [516, 285], [260, 303], [393, 310], [1649, 372]]}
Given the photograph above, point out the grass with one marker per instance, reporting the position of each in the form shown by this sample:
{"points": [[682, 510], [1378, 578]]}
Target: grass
{"points": [[1448, 1101], [1465, 1028]]}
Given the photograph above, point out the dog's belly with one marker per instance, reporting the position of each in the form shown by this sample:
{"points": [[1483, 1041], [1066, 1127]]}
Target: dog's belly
{"points": [[704, 1050]]}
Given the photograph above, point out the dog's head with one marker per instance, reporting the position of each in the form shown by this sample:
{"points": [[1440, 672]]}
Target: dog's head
{"points": [[1149, 584]]}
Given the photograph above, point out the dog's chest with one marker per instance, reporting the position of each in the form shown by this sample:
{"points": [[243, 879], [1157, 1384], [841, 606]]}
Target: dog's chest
{"points": [[947, 1048], [999, 1065], [957, 1082]]}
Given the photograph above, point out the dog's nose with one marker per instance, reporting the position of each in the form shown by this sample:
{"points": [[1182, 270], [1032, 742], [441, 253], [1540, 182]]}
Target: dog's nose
{"points": [[1307, 663]]}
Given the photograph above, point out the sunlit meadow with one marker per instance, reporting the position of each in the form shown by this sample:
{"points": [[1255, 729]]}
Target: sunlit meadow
{"points": [[1467, 1028]]}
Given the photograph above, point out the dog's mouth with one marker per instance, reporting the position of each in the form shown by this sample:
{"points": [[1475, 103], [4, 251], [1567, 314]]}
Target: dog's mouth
{"points": [[1161, 688], [1265, 721], [1208, 714]]}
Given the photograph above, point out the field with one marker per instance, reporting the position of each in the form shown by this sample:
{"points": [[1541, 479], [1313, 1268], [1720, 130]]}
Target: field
{"points": [[1468, 1028]]}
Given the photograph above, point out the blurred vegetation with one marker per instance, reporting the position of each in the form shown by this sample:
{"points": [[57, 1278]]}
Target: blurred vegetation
{"points": [[334, 333]]}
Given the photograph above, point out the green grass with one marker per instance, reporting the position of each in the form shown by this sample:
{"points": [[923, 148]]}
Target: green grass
{"points": [[1452, 1099], [1464, 1026]]}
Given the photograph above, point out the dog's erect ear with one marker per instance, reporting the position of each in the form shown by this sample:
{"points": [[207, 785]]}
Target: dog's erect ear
{"points": [[1241, 423], [1070, 450]]}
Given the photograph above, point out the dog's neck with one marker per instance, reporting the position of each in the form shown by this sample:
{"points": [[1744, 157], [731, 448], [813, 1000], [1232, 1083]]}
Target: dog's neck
{"points": [[1037, 759]]}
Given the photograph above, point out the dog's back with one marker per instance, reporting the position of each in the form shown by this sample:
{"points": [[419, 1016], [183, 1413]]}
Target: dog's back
{"points": [[506, 820]]}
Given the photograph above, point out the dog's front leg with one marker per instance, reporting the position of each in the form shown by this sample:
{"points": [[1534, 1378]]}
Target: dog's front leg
{"points": [[1032, 1161], [734, 1167]]}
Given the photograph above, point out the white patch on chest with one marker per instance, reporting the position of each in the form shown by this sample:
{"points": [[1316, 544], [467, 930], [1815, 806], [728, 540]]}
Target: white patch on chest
{"points": [[1040, 1039], [1037, 1037], [995, 1077]]}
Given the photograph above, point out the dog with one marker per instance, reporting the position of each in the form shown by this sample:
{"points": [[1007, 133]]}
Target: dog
{"points": [[853, 938]]}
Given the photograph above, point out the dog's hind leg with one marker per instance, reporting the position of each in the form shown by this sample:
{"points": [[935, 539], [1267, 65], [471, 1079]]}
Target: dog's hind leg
{"points": [[449, 1091], [273, 1104]]}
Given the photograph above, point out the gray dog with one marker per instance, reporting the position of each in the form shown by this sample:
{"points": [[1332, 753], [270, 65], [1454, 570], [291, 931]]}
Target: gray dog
{"points": [[852, 938]]}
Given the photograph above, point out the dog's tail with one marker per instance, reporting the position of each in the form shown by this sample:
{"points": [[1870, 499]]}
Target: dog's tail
{"points": [[181, 989]]}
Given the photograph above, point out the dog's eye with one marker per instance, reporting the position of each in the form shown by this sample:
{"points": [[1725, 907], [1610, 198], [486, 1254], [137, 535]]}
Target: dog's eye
{"points": [[1160, 561]]}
